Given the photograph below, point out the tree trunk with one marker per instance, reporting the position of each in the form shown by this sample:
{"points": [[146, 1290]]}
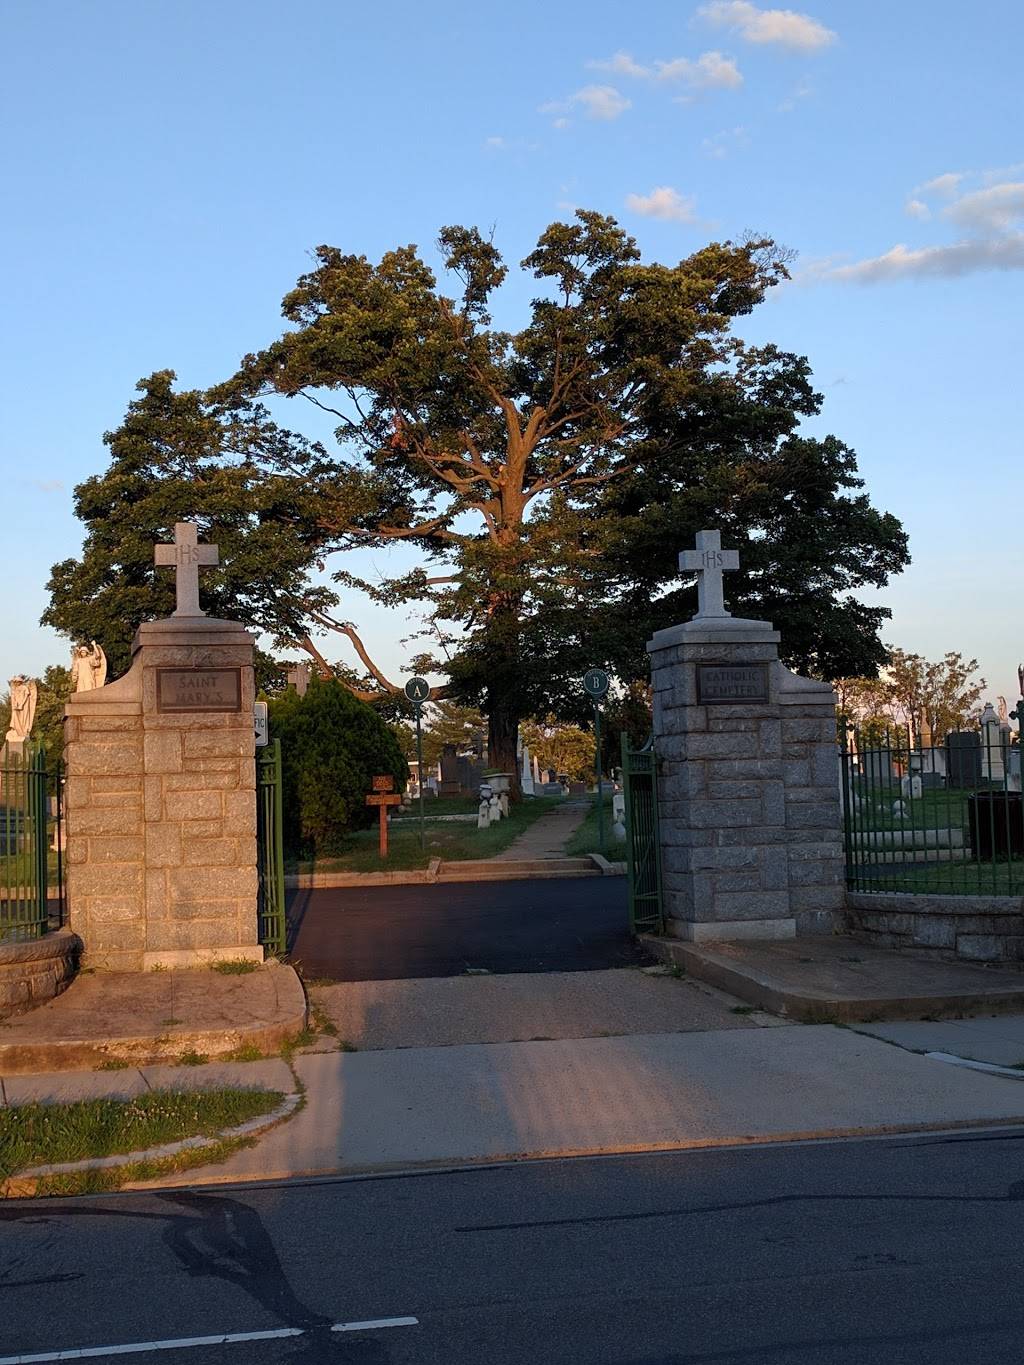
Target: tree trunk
{"points": [[502, 733]]}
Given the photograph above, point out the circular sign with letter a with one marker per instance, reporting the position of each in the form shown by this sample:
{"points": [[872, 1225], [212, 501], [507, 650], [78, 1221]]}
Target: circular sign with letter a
{"points": [[595, 683], [417, 689]]}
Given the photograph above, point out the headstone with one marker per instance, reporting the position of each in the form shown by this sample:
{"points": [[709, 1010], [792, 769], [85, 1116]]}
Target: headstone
{"points": [[496, 811], [526, 774], [910, 787], [160, 798], [1013, 775], [449, 771], [750, 820], [536, 773], [994, 736], [963, 758], [877, 768], [483, 818]]}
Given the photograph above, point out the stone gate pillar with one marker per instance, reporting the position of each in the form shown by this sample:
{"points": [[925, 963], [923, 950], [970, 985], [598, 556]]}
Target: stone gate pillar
{"points": [[161, 795], [751, 828]]}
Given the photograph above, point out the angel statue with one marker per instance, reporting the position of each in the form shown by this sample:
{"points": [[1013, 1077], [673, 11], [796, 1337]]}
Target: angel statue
{"points": [[24, 694], [88, 667]]}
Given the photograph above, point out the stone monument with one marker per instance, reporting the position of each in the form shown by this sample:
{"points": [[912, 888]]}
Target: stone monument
{"points": [[24, 694], [88, 667], [161, 791], [750, 820]]}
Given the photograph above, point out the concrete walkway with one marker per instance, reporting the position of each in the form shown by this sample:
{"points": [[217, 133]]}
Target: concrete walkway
{"points": [[548, 836], [449, 1011], [997, 1040]]}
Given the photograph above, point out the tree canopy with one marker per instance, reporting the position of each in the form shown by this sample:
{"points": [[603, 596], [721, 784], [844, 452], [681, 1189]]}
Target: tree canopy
{"points": [[927, 699], [547, 476]]}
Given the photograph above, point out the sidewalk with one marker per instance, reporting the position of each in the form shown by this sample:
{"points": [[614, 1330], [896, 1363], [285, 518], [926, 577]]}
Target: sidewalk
{"points": [[548, 836], [449, 1105]]}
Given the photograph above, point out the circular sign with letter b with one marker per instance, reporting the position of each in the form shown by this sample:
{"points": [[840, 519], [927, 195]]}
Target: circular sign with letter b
{"points": [[417, 689], [595, 683]]}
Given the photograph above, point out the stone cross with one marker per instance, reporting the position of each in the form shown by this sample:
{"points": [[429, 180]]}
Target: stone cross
{"points": [[186, 556], [708, 561]]}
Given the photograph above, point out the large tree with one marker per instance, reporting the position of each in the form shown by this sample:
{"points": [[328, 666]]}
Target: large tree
{"points": [[547, 476]]}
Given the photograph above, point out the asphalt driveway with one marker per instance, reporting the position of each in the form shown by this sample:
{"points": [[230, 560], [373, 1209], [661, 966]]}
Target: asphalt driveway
{"points": [[384, 933]]}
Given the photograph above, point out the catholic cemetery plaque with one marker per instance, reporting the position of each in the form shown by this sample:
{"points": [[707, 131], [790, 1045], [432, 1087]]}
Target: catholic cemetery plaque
{"points": [[731, 684], [198, 689]]}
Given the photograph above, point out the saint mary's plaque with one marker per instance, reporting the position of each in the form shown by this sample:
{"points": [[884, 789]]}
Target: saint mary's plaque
{"points": [[198, 689]]}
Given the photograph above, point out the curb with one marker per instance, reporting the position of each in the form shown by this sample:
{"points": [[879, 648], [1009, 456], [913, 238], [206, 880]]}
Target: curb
{"points": [[393, 1169], [26, 1183], [450, 873]]}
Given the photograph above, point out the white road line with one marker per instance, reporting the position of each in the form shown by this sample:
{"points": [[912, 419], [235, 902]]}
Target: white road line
{"points": [[138, 1347], [372, 1325], [185, 1343]]}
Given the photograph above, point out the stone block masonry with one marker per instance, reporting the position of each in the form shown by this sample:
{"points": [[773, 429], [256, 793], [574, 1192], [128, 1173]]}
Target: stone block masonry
{"points": [[161, 802], [750, 821]]}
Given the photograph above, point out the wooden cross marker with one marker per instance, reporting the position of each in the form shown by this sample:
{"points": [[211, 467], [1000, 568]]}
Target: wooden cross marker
{"points": [[186, 556], [382, 797], [708, 561]]}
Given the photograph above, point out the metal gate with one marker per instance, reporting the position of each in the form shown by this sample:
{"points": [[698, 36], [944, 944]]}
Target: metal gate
{"points": [[643, 850], [270, 849], [24, 844]]}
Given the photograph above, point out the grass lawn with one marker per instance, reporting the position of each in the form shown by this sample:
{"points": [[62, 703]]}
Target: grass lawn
{"points": [[450, 842], [47, 1134], [962, 878], [586, 839], [937, 808]]}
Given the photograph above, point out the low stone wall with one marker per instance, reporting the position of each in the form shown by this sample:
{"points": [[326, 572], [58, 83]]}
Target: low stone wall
{"points": [[972, 928], [37, 969]]}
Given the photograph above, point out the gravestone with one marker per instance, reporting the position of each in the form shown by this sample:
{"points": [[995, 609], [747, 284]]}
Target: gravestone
{"points": [[449, 785], [963, 758], [160, 798], [877, 769], [750, 824], [995, 739]]}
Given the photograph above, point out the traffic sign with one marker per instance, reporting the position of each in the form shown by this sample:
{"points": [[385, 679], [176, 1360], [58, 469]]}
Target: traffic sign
{"points": [[261, 724], [595, 683], [417, 690]]}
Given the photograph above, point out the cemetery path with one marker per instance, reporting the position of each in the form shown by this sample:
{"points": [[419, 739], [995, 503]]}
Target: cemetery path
{"points": [[381, 933], [548, 836]]}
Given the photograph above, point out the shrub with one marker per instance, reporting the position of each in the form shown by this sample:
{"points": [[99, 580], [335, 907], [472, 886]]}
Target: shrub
{"points": [[332, 745]]}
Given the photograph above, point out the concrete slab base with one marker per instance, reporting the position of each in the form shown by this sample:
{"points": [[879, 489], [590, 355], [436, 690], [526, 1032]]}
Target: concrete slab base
{"points": [[136, 1017], [841, 980], [732, 931]]}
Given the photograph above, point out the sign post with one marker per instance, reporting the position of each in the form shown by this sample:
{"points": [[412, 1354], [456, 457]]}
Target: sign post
{"points": [[595, 684], [384, 795], [418, 690]]}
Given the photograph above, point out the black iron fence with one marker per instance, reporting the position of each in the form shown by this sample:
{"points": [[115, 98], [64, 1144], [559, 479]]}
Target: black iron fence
{"points": [[945, 819], [31, 844]]}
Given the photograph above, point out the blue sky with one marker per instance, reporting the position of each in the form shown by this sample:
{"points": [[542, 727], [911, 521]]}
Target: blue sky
{"points": [[168, 166]]}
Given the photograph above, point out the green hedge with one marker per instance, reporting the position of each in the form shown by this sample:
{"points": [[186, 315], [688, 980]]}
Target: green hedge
{"points": [[332, 745]]}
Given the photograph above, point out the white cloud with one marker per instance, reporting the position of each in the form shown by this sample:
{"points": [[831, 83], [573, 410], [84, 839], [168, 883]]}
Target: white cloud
{"points": [[916, 208], [602, 102], [622, 64], [787, 28], [495, 142], [710, 71], [930, 262], [995, 209], [942, 184], [663, 202], [728, 140]]}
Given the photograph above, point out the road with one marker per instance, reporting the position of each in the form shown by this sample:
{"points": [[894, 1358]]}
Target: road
{"points": [[847, 1253], [390, 933]]}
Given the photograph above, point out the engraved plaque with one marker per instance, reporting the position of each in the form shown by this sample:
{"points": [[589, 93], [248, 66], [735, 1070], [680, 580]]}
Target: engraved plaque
{"points": [[198, 689], [731, 684]]}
